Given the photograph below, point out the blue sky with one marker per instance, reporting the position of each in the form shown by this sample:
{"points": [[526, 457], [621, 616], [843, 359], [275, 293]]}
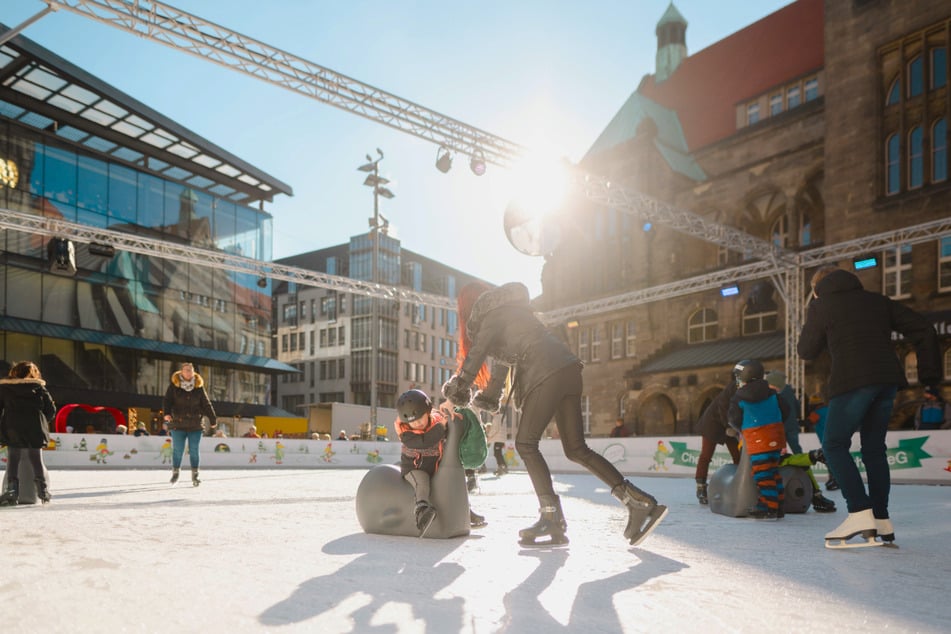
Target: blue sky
{"points": [[546, 74]]}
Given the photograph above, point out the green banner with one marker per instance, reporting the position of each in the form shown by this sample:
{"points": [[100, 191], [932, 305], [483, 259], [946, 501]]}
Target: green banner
{"points": [[907, 455]]}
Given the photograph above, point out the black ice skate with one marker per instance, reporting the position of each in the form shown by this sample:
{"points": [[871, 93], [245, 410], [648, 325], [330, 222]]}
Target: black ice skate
{"points": [[861, 524], [11, 496], [702, 493], [42, 491], [761, 513], [551, 523], [195, 480], [425, 516], [476, 520], [644, 513], [174, 479], [822, 504]]}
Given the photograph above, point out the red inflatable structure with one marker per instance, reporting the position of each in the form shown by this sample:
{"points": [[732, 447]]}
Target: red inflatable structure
{"points": [[65, 411]]}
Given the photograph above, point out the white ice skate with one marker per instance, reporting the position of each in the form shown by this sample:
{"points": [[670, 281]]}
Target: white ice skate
{"points": [[886, 532], [858, 524]]}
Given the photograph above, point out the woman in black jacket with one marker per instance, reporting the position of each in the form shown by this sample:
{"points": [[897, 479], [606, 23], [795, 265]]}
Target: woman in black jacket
{"points": [[499, 323], [26, 408], [185, 403], [855, 326]]}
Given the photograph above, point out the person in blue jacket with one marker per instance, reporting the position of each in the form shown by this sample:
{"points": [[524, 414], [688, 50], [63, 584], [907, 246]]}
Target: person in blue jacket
{"points": [[757, 413]]}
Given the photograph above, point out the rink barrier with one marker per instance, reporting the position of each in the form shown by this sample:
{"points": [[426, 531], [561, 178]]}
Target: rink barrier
{"points": [[919, 457]]}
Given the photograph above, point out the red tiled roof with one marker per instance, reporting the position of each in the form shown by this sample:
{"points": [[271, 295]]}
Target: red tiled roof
{"points": [[706, 87]]}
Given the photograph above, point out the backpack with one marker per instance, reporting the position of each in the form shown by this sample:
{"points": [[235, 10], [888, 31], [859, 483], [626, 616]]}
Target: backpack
{"points": [[472, 447]]}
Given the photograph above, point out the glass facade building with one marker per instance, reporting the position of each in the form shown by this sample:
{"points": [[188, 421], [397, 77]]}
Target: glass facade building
{"points": [[112, 330]]}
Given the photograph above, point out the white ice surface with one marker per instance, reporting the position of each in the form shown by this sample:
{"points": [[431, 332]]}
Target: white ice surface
{"points": [[282, 551]]}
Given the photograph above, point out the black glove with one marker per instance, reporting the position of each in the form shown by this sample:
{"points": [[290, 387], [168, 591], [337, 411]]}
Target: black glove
{"points": [[487, 402], [457, 391], [212, 424]]}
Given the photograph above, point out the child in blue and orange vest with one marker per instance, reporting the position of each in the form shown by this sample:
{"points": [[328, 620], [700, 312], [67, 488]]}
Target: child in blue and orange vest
{"points": [[423, 433], [757, 413]]}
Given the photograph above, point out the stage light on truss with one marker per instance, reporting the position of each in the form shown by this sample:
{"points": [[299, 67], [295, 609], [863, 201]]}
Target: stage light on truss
{"points": [[443, 159], [729, 290], [477, 164]]}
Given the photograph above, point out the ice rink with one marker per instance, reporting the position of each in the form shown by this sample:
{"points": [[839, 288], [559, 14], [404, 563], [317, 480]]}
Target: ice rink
{"points": [[282, 551]]}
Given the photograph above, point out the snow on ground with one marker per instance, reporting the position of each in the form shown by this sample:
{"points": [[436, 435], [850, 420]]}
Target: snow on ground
{"points": [[282, 551]]}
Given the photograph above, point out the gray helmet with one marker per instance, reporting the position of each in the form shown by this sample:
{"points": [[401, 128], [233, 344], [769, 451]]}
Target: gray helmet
{"points": [[747, 370], [412, 405]]}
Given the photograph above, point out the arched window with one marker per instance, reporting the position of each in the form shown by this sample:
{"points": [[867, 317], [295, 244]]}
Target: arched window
{"points": [[805, 231], [939, 151], [892, 165], [702, 326], [779, 233], [916, 84], [894, 96], [915, 158], [939, 67]]}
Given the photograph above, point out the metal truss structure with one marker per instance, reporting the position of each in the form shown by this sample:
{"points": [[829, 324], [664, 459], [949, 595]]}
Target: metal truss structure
{"points": [[186, 32], [212, 258], [167, 25]]}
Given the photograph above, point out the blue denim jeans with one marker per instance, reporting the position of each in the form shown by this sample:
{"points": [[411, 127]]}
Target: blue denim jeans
{"points": [[178, 447], [865, 410]]}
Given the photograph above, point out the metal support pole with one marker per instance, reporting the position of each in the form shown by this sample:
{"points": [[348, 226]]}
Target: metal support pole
{"points": [[374, 325], [12, 33]]}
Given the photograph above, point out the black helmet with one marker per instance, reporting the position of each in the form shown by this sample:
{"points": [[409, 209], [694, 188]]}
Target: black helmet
{"points": [[413, 404], [747, 370]]}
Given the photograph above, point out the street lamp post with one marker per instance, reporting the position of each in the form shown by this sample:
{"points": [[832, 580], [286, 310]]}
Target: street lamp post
{"points": [[377, 223]]}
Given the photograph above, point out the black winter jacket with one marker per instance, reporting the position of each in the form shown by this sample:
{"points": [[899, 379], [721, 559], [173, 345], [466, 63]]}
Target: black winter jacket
{"points": [[26, 409], [856, 327], [713, 421], [504, 327], [186, 407]]}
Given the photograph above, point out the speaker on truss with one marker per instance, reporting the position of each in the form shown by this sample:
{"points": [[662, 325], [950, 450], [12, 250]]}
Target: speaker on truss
{"points": [[62, 256]]}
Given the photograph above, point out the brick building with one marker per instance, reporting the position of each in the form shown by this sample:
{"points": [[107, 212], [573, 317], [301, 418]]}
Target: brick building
{"points": [[819, 125]]}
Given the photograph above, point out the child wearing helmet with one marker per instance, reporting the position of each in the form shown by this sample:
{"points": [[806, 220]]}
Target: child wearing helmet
{"points": [[422, 432], [757, 413]]}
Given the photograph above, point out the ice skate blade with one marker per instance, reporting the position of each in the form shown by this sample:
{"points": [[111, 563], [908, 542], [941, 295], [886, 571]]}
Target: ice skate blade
{"points": [[553, 542], [836, 543], [657, 516], [429, 523]]}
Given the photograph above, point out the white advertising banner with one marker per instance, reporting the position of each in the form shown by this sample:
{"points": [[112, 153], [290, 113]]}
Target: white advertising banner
{"points": [[915, 457]]}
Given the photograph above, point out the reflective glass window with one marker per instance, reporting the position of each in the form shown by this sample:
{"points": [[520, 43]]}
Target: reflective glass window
{"points": [[915, 158], [939, 67], [915, 77], [939, 152], [892, 165], [93, 184], [151, 209], [894, 96], [60, 175], [122, 194]]}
